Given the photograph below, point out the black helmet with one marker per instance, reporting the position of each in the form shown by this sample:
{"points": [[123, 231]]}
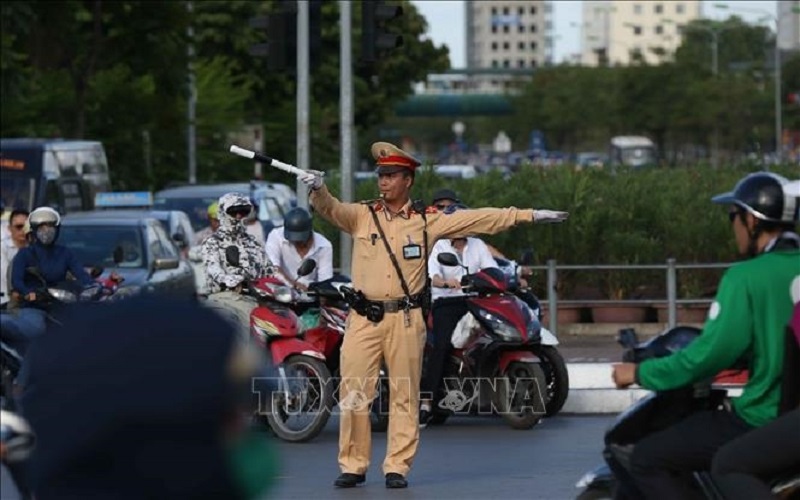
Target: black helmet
{"points": [[297, 225], [445, 194], [765, 195]]}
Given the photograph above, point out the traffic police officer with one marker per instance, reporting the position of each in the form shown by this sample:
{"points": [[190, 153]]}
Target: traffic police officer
{"points": [[391, 286]]}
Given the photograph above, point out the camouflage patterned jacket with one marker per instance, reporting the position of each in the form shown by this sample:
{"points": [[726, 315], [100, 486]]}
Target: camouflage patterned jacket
{"points": [[253, 263]]}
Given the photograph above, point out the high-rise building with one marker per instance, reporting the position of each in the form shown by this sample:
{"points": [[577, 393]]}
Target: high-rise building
{"points": [[621, 31], [789, 17], [510, 35]]}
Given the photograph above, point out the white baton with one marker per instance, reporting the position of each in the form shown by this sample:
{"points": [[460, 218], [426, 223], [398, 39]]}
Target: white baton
{"points": [[255, 155]]}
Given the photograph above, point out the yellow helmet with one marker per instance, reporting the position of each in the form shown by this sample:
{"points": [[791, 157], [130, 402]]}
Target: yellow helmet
{"points": [[213, 210]]}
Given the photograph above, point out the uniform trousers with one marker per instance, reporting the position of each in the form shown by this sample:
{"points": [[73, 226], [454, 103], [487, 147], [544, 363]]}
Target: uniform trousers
{"points": [[365, 345]]}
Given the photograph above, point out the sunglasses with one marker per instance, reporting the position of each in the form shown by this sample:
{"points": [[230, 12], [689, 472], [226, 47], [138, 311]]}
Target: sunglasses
{"points": [[241, 210], [441, 206]]}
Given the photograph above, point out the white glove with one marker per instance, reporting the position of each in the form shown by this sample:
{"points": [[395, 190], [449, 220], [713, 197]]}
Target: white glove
{"points": [[314, 179], [549, 216]]}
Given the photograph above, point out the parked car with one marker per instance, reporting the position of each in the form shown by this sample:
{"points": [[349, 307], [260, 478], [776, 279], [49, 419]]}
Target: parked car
{"points": [[177, 224], [133, 244], [195, 199], [456, 171]]}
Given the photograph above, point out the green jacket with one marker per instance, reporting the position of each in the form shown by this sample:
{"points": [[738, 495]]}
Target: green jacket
{"points": [[749, 316]]}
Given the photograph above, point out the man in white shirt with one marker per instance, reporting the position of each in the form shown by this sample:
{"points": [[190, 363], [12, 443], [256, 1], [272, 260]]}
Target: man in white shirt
{"points": [[449, 306], [9, 248], [288, 246]]}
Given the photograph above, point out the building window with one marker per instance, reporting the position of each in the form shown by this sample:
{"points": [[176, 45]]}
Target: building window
{"points": [[548, 25], [533, 45], [506, 63], [637, 30], [505, 29], [659, 9], [521, 46], [494, 63], [533, 11], [548, 8], [521, 11], [521, 28], [679, 8], [637, 9], [494, 29], [505, 11], [659, 30], [521, 63], [494, 45], [494, 11], [506, 46], [533, 28], [533, 63]]}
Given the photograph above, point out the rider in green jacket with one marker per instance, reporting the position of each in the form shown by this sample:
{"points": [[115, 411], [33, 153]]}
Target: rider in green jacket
{"points": [[748, 318]]}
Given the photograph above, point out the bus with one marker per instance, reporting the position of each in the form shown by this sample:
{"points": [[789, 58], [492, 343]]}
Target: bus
{"points": [[632, 151], [60, 173]]}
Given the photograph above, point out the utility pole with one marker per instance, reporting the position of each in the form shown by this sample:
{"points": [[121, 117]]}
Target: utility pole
{"points": [[346, 124], [715, 72], [190, 113], [303, 143]]}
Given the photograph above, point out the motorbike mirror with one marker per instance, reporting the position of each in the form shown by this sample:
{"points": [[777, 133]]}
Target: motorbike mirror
{"points": [[232, 255], [306, 267], [118, 255], [180, 240], [447, 259], [526, 259], [627, 338]]}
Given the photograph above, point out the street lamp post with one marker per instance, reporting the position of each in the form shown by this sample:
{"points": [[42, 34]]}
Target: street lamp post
{"points": [[778, 110]]}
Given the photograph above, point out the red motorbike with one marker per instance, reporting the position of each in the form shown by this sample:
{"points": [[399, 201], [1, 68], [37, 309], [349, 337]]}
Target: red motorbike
{"points": [[299, 403], [496, 368]]}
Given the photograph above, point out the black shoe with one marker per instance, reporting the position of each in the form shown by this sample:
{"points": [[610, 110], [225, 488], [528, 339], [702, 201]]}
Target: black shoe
{"points": [[424, 418], [348, 480], [395, 480]]}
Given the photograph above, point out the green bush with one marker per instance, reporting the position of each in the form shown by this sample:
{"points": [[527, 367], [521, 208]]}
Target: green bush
{"points": [[623, 217]]}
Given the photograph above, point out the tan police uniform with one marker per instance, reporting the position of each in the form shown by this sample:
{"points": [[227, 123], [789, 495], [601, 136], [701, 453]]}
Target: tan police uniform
{"points": [[400, 337]]}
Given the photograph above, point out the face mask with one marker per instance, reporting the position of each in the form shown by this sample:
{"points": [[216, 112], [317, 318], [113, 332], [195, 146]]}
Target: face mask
{"points": [[46, 235], [253, 464]]}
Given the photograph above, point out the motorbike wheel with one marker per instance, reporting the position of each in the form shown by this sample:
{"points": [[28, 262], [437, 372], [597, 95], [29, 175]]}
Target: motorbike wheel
{"points": [[308, 408], [379, 413], [520, 393], [557, 379]]}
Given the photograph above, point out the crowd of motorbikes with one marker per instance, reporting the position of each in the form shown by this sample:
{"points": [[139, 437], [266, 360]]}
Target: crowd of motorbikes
{"points": [[503, 362]]}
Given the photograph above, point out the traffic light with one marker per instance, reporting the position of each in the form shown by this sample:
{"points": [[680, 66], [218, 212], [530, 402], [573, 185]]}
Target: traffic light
{"points": [[280, 27], [375, 15]]}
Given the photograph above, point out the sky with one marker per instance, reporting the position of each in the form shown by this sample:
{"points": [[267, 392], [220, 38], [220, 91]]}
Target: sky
{"points": [[446, 22]]}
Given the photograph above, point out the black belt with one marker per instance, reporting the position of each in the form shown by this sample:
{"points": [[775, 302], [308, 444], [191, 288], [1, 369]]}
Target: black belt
{"points": [[392, 306]]}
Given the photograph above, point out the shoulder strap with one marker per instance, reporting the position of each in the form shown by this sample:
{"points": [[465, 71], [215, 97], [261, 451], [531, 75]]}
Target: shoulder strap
{"points": [[391, 254]]}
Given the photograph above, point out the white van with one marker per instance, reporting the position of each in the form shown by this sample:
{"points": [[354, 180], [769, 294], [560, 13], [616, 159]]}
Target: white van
{"points": [[456, 171]]}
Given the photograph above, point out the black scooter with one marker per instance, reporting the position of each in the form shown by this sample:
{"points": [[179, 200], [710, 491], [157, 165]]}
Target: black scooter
{"points": [[657, 411]]}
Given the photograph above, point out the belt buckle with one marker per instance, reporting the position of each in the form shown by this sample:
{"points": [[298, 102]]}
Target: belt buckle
{"points": [[391, 306]]}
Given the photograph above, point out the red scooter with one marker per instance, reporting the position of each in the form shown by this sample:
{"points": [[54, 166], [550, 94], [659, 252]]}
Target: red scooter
{"points": [[496, 368], [299, 404]]}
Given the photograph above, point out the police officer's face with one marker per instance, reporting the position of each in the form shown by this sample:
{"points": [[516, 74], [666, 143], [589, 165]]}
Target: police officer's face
{"points": [[394, 186]]}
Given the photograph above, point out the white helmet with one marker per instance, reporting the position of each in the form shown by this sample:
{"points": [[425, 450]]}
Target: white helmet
{"points": [[44, 215]]}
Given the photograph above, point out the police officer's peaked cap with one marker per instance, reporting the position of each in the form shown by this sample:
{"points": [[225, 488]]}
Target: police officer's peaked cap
{"points": [[390, 159], [768, 196]]}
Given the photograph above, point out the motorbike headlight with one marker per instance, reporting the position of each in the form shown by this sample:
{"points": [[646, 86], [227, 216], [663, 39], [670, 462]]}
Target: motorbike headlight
{"points": [[62, 295], [499, 326], [126, 292], [283, 294]]}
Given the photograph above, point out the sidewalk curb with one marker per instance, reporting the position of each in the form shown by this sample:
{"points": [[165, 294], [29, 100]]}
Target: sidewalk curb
{"points": [[591, 390]]}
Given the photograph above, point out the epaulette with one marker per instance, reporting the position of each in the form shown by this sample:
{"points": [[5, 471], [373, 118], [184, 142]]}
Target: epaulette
{"points": [[376, 204]]}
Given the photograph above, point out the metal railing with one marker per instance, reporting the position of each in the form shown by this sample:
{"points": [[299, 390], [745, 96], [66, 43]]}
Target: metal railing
{"points": [[671, 275]]}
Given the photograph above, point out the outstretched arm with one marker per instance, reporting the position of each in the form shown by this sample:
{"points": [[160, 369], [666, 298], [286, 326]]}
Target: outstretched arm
{"points": [[342, 215]]}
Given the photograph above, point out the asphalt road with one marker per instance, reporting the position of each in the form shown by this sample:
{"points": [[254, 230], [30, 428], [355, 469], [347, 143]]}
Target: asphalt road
{"points": [[467, 458]]}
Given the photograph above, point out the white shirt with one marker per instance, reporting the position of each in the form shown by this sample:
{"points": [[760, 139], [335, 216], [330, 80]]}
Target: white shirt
{"points": [[283, 255], [7, 252], [475, 256]]}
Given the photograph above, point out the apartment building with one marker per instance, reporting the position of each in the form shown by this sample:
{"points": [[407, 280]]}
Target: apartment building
{"points": [[620, 31], [508, 35], [789, 17]]}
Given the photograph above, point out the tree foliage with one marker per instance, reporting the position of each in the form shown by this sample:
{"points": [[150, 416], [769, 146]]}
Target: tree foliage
{"points": [[118, 72]]}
